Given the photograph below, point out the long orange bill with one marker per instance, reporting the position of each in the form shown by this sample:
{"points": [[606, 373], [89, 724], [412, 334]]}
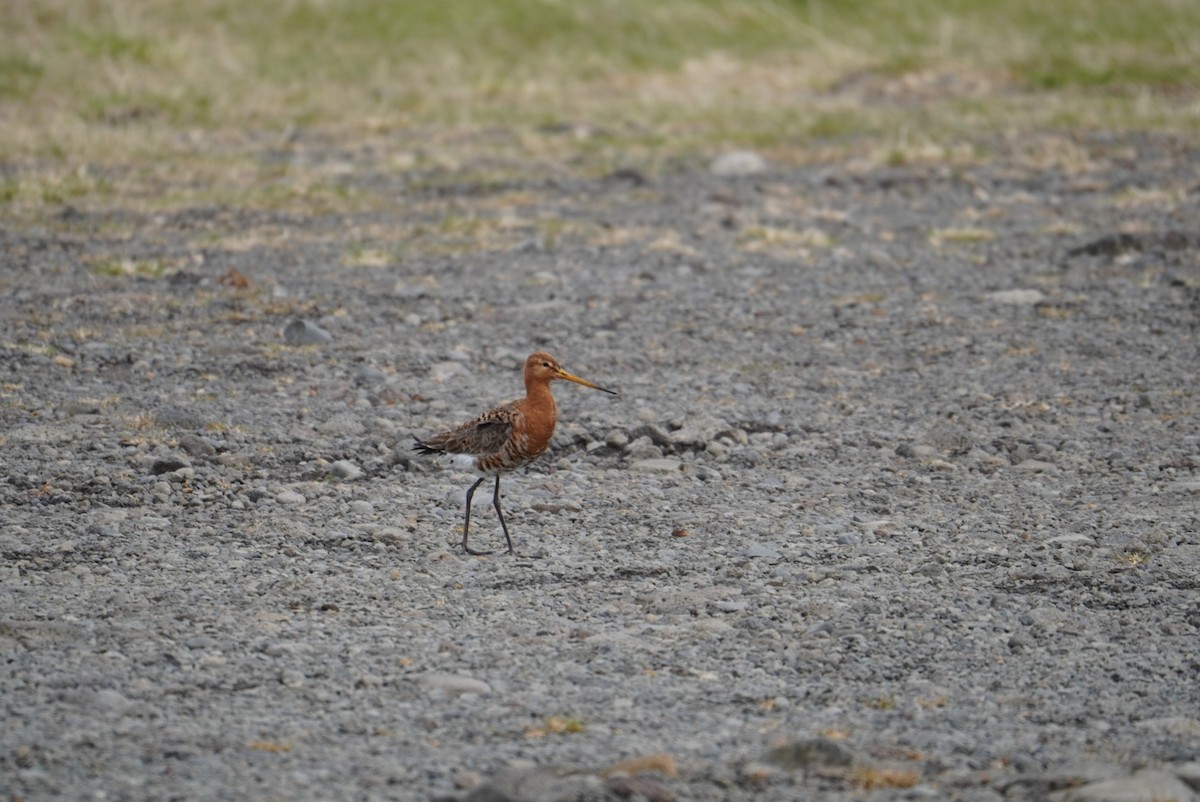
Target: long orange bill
{"points": [[562, 374]]}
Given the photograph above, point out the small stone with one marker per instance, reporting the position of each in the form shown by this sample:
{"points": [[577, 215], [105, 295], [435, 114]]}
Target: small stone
{"points": [[290, 498], [197, 446], [658, 436], [1188, 772], [761, 551], [201, 642], [616, 439], [642, 449], [1147, 785], [1070, 539], [1037, 466], [1016, 297], [305, 332], [717, 450], [915, 450], [656, 466], [451, 684], [698, 431], [369, 374], [738, 162], [360, 507], [167, 465], [291, 678], [466, 779], [345, 470]]}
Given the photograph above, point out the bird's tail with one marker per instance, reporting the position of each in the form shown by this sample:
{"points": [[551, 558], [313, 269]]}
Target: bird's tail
{"points": [[425, 448]]}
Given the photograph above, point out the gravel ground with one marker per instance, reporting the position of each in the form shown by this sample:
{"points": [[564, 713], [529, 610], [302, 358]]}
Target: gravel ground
{"points": [[899, 499]]}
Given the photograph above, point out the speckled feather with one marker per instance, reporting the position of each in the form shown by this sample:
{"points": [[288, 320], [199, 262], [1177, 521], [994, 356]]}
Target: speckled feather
{"points": [[498, 441]]}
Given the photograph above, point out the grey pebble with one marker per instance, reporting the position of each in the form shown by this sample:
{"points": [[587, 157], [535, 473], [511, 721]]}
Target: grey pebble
{"points": [[305, 332], [717, 450], [643, 449], [616, 439], [655, 434], [370, 375], [761, 551], [698, 431], [451, 684], [1019, 297], [917, 450], [1147, 785], [196, 446], [201, 642], [167, 465], [292, 678], [656, 466], [737, 163], [1189, 772], [345, 470]]}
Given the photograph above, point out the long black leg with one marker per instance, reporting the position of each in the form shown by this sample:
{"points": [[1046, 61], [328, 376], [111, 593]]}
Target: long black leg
{"points": [[467, 520], [496, 503]]}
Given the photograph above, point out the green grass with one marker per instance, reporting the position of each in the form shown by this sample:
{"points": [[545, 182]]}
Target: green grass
{"points": [[187, 93], [126, 267]]}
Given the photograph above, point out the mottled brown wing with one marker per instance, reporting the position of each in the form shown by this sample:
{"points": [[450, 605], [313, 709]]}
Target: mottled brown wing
{"points": [[484, 435]]}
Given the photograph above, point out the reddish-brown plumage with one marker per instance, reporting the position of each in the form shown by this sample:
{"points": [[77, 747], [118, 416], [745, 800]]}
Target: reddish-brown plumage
{"points": [[506, 437]]}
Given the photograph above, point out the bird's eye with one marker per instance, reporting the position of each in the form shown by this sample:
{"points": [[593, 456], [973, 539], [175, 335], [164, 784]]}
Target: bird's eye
{"points": [[545, 364]]}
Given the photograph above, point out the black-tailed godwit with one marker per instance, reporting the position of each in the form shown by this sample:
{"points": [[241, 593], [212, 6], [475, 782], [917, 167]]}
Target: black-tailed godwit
{"points": [[506, 437]]}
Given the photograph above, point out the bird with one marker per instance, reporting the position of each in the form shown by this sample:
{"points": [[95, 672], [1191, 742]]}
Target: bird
{"points": [[506, 437]]}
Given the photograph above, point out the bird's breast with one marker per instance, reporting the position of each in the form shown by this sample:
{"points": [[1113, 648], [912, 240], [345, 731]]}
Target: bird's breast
{"points": [[534, 435]]}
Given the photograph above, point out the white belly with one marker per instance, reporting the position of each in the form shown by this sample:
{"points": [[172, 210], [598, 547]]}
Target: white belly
{"points": [[464, 461]]}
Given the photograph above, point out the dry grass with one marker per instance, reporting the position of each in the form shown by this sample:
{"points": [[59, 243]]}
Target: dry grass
{"points": [[166, 103]]}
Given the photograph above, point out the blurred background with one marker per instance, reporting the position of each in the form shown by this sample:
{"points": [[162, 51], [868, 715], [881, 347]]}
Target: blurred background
{"points": [[577, 85]]}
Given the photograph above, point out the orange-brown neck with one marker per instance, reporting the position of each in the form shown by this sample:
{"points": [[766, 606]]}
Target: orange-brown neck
{"points": [[540, 414]]}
